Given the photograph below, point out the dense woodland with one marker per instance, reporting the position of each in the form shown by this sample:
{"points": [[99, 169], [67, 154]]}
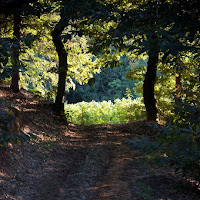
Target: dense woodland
{"points": [[111, 61]]}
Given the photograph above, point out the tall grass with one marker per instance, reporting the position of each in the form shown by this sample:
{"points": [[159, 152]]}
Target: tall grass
{"points": [[106, 112]]}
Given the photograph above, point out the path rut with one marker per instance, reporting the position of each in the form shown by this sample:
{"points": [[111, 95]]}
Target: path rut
{"points": [[82, 163]]}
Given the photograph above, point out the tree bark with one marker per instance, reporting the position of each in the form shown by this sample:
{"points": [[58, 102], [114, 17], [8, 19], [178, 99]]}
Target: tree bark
{"points": [[15, 83], [178, 80], [62, 69], [148, 87], [178, 89]]}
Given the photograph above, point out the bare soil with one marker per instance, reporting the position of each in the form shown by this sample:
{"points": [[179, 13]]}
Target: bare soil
{"points": [[82, 162]]}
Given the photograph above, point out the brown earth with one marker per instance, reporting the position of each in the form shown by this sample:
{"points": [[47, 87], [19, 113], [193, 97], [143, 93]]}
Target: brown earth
{"points": [[82, 162]]}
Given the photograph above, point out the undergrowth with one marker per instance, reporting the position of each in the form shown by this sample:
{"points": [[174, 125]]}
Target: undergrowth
{"points": [[176, 144], [106, 112]]}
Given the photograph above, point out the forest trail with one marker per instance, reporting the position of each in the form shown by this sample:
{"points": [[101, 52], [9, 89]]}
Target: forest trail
{"points": [[82, 163]]}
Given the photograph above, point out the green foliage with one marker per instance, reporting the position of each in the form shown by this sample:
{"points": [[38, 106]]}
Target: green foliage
{"points": [[36, 76], [177, 143], [6, 47], [106, 112], [81, 63], [110, 27], [110, 84], [128, 93], [163, 87]]}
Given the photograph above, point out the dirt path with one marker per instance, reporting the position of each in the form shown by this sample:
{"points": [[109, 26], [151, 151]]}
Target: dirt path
{"points": [[83, 163]]}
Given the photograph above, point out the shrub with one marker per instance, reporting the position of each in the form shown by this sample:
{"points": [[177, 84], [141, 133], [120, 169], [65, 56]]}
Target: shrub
{"points": [[178, 142], [106, 112]]}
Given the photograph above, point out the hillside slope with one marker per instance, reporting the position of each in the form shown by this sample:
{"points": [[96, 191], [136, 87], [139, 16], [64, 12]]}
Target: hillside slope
{"points": [[81, 163]]}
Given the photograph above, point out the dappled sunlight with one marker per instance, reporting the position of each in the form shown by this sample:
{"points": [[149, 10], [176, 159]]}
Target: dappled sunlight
{"points": [[5, 180], [74, 160], [96, 188], [82, 162], [30, 110], [3, 175]]}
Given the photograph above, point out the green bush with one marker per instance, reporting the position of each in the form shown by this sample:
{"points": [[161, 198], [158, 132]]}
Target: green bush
{"points": [[110, 84], [178, 142], [106, 112]]}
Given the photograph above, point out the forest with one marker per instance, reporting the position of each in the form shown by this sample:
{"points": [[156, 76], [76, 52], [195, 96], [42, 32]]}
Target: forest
{"points": [[126, 69]]}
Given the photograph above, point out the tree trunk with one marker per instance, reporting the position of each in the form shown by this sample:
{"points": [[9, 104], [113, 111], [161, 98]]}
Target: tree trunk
{"points": [[178, 80], [178, 89], [62, 69], [148, 87], [15, 83]]}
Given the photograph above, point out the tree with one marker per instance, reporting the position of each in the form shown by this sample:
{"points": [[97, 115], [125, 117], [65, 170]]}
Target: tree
{"points": [[66, 14], [159, 29], [70, 14], [137, 27], [149, 81], [16, 9], [110, 84], [62, 68], [15, 84]]}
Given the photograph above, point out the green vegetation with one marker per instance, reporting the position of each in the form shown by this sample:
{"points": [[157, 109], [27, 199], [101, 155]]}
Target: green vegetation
{"points": [[145, 51], [110, 84], [177, 143], [106, 112]]}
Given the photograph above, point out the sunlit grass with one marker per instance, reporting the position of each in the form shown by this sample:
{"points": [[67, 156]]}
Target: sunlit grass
{"points": [[106, 112]]}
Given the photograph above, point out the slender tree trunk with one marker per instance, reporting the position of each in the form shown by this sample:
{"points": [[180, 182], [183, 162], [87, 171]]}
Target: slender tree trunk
{"points": [[178, 80], [62, 69], [198, 88], [15, 83], [148, 87], [178, 89]]}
